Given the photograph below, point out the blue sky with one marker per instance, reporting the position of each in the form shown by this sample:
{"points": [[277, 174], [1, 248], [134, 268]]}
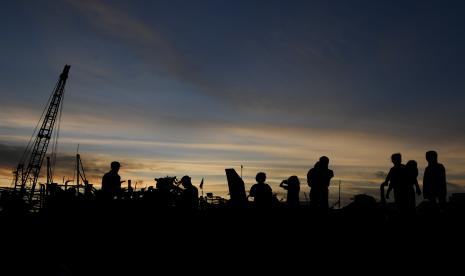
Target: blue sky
{"points": [[192, 87]]}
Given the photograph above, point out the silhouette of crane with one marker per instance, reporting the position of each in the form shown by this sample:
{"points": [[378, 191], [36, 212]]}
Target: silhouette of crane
{"points": [[35, 152]]}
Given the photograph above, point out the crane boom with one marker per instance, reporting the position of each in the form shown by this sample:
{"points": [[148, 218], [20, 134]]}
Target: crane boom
{"points": [[30, 174]]}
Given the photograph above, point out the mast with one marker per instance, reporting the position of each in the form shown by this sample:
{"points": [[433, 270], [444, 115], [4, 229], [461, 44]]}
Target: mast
{"points": [[31, 172]]}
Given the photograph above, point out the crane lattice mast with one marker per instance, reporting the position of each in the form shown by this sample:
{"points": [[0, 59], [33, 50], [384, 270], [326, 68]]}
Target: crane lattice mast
{"points": [[30, 174]]}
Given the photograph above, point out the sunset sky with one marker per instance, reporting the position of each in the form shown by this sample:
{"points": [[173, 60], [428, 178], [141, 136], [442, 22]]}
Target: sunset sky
{"points": [[194, 87]]}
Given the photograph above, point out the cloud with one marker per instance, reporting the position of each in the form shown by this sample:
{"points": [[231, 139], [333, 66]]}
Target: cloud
{"points": [[154, 49], [380, 174], [10, 155]]}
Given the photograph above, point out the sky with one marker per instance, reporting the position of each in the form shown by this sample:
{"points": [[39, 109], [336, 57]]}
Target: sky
{"points": [[193, 87]]}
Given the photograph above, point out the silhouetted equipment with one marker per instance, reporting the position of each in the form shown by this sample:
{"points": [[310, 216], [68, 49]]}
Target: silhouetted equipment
{"points": [[35, 152], [236, 188], [169, 184]]}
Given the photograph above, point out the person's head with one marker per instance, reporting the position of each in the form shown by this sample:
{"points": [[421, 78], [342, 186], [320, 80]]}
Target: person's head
{"points": [[324, 161], [432, 156], [396, 158], [412, 167], [293, 180], [115, 165], [186, 181], [261, 177]]}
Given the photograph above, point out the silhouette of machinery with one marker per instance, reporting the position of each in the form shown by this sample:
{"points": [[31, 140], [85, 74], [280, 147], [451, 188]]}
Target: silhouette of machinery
{"points": [[28, 169], [236, 188], [167, 191]]}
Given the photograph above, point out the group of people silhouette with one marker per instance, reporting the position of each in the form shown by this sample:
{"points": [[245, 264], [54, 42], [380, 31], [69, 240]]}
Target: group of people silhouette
{"points": [[318, 179], [401, 180]]}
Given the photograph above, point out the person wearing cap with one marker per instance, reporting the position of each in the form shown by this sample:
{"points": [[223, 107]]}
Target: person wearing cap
{"points": [[190, 194], [111, 181]]}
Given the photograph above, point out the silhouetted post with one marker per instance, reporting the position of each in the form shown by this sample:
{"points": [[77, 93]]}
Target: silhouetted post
{"points": [[78, 174], [87, 188], [339, 201], [201, 186], [49, 171]]}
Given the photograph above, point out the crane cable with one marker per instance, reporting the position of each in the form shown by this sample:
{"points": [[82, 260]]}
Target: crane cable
{"points": [[56, 137]]}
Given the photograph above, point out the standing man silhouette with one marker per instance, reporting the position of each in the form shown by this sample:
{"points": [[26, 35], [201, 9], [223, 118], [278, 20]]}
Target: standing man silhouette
{"points": [[111, 181], [397, 178], [190, 195], [319, 178], [434, 180]]}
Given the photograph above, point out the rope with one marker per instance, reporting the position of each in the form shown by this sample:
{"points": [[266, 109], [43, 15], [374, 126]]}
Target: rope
{"points": [[56, 137]]}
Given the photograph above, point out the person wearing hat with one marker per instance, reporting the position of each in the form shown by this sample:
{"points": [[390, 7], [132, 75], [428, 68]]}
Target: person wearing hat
{"points": [[111, 181], [190, 194]]}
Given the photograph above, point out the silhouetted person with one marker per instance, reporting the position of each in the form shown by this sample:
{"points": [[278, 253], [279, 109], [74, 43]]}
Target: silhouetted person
{"points": [[318, 178], [261, 192], [292, 185], [397, 180], [190, 194], [434, 180], [111, 182], [408, 203]]}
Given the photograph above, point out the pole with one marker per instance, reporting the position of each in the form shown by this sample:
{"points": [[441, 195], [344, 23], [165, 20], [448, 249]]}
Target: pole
{"points": [[339, 201], [241, 170], [49, 175], [78, 174]]}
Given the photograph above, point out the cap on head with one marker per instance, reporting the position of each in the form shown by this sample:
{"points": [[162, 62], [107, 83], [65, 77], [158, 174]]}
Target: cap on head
{"points": [[115, 165]]}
